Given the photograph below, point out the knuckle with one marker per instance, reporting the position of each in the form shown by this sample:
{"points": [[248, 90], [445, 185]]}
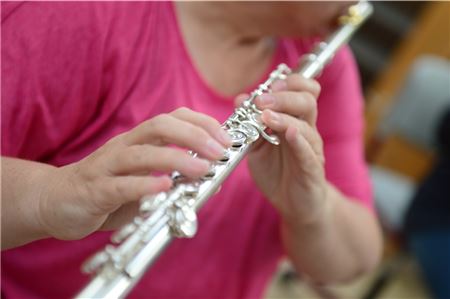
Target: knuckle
{"points": [[310, 101], [157, 125], [181, 111], [295, 79], [196, 132], [158, 121], [121, 189], [303, 126], [135, 155]]}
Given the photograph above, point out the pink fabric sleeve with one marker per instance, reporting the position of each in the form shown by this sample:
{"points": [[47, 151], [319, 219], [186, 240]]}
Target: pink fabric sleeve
{"points": [[341, 123], [51, 67]]}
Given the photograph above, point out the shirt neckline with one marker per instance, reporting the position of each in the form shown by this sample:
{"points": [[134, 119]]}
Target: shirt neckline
{"points": [[275, 60]]}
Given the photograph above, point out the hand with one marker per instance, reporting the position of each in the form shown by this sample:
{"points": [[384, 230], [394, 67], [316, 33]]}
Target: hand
{"points": [[291, 175], [102, 190]]}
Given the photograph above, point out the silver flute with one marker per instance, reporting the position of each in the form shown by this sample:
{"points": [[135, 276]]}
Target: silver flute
{"points": [[167, 215]]}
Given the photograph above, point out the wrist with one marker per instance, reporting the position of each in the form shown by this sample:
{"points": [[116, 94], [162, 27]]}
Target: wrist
{"points": [[25, 190], [54, 207], [44, 179], [313, 214], [28, 195]]}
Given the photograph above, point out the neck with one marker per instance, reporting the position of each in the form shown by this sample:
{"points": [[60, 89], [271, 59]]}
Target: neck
{"points": [[222, 47]]}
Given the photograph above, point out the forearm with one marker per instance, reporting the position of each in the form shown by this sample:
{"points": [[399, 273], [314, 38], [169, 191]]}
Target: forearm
{"points": [[343, 243], [22, 183]]}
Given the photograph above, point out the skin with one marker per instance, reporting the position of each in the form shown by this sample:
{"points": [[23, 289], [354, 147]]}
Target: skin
{"points": [[100, 191], [329, 237]]}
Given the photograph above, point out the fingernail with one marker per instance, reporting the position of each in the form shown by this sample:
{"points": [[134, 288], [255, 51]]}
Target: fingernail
{"points": [[201, 164], [214, 147], [224, 137], [279, 85], [266, 99]]}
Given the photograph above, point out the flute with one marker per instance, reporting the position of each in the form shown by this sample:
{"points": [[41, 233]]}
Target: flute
{"points": [[171, 214]]}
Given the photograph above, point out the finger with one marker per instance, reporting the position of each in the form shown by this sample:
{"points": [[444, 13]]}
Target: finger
{"points": [[167, 129], [298, 104], [240, 98], [304, 153], [279, 85], [296, 82], [211, 125], [280, 122], [147, 158], [125, 189]]}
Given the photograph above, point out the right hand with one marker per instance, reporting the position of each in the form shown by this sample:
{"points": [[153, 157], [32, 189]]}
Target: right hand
{"points": [[102, 190]]}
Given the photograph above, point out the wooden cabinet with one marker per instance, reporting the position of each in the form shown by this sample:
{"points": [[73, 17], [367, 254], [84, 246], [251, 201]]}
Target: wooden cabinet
{"points": [[430, 34]]}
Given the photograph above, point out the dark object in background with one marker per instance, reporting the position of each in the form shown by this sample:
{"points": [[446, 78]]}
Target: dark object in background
{"points": [[430, 208], [444, 135], [427, 224]]}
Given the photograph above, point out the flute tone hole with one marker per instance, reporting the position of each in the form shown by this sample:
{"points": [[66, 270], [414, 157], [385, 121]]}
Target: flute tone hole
{"points": [[225, 158], [210, 174], [237, 145]]}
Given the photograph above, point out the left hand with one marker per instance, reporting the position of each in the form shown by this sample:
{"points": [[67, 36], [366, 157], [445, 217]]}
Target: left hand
{"points": [[292, 174]]}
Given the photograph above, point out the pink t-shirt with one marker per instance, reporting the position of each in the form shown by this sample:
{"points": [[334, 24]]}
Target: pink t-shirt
{"points": [[76, 74]]}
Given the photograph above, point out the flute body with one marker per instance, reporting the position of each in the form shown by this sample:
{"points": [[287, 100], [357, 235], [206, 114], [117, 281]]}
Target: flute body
{"points": [[173, 214]]}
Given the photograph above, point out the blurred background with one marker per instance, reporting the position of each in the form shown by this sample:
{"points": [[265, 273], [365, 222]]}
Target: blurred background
{"points": [[403, 53]]}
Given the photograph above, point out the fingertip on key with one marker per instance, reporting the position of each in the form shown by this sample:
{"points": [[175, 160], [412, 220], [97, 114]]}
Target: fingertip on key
{"points": [[225, 138], [214, 148], [200, 166]]}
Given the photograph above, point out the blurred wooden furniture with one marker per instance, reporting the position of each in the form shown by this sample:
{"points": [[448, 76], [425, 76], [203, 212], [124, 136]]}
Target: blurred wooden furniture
{"points": [[430, 35]]}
